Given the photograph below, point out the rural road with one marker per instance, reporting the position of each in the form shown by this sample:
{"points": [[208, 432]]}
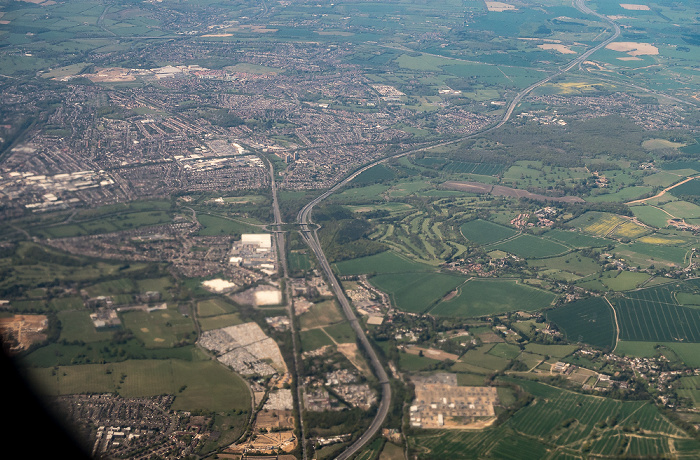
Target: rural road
{"points": [[308, 233], [663, 192]]}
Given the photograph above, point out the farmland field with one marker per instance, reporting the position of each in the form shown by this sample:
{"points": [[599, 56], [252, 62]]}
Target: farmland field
{"points": [[691, 188], [410, 362], [105, 224], [460, 167], [651, 215], [377, 174], [505, 350], [77, 325], [473, 445], [645, 254], [217, 226], [682, 209], [392, 452], [557, 351], [385, 262], [545, 419], [481, 360], [216, 322], [416, 292], [529, 246], [576, 239], [485, 232], [372, 450], [623, 280], [321, 314], [565, 421], [690, 388], [209, 385], [213, 307], [480, 297], [654, 315], [589, 321], [299, 261], [603, 224], [572, 263], [160, 328], [314, 339]]}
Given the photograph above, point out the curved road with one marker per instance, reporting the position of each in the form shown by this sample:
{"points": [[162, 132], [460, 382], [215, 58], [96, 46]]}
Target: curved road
{"points": [[308, 233]]}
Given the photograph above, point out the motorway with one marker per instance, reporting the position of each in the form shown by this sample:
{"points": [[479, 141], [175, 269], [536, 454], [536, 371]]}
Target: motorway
{"points": [[308, 233], [282, 254]]}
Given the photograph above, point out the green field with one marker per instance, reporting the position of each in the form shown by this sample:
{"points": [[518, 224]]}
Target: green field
{"points": [[217, 226], [682, 209], [529, 246], [479, 297], [651, 215], [505, 350], [557, 351], [475, 445], [416, 292], [573, 263], [413, 363], [576, 239], [299, 261], [77, 326], [392, 452], [372, 450], [31, 265], [588, 321], [321, 314], [217, 322], [105, 224], [209, 385], [645, 254], [654, 315], [485, 232], [623, 280], [385, 262], [214, 307], [530, 360], [690, 388], [123, 289], [374, 175], [367, 193], [314, 339], [66, 303], [341, 332], [481, 361], [545, 420], [691, 188], [160, 328], [563, 424]]}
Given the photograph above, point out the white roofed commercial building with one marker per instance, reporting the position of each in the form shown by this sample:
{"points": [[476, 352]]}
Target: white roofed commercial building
{"points": [[261, 240]]}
